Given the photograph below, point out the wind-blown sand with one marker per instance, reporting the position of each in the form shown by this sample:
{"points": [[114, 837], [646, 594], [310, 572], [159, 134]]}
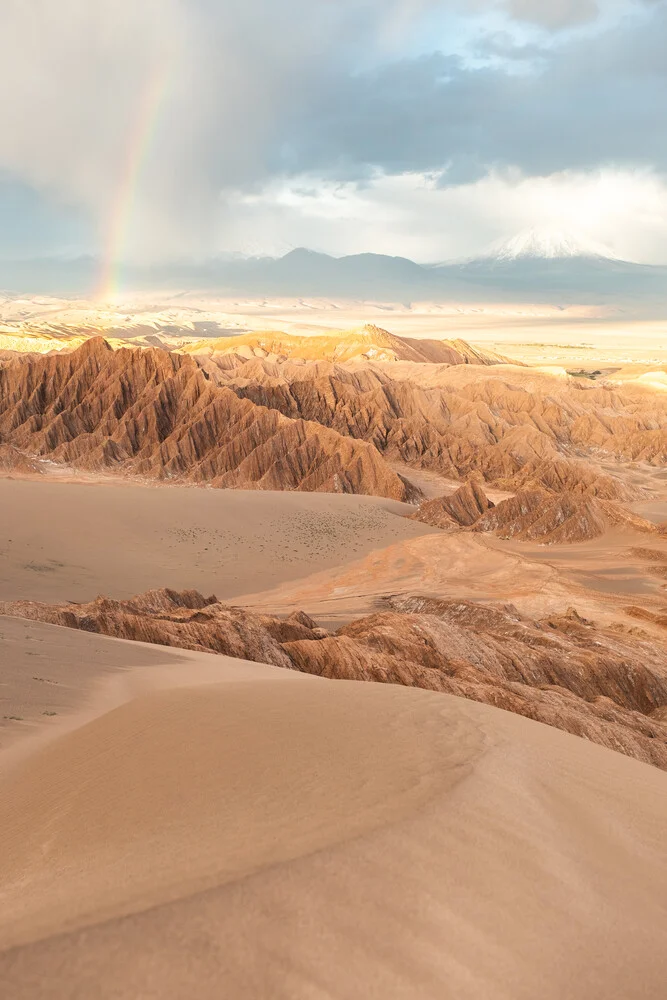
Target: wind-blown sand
{"points": [[264, 834], [655, 510], [72, 541], [600, 577], [181, 824], [46, 673], [442, 565]]}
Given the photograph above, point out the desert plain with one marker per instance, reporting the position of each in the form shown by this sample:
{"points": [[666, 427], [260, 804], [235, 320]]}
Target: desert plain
{"points": [[333, 665]]}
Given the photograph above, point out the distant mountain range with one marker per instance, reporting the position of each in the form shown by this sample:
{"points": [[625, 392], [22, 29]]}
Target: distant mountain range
{"points": [[548, 268]]}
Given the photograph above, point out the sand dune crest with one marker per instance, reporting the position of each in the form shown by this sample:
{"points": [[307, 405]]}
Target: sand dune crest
{"points": [[489, 857], [100, 822]]}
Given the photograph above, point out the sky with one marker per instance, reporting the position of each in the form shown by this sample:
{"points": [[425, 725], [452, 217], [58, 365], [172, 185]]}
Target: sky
{"points": [[182, 129]]}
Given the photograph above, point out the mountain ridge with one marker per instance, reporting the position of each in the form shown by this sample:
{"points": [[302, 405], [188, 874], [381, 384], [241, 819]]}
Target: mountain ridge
{"points": [[590, 278], [258, 421], [369, 342], [157, 415]]}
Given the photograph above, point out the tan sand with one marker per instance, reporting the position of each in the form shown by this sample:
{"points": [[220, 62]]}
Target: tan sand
{"points": [[179, 790], [435, 484], [600, 577], [654, 510], [73, 541], [611, 565], [280, 836], [455, 565], [47, 672]]}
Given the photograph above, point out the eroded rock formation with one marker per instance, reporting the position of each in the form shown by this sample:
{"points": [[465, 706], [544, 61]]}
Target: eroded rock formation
{"points": [[515, 427], [532, 515], [608, 685], [157, 415], [185, 620], [536, 515], [604, 685], [277, 421], [13, 460], [463, 508], [370, 343]]}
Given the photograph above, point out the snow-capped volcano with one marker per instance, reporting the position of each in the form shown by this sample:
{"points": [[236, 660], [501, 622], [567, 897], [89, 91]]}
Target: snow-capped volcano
{"points": [[545, 244], [553, 266]]}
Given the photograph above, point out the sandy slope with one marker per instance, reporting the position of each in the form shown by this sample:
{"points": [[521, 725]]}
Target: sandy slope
{"points": [[263, 834], [46, 673], [600, 577], [455, 566], [75, 540]]}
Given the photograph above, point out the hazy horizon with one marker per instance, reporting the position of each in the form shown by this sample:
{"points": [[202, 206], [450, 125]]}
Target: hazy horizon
{"points": [[459, 152]]}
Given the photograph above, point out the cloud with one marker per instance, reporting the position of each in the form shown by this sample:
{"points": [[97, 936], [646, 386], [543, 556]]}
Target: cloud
{"points": [[254, 93], [413, 215], [33, 226], [235, 76], [592, 102], [76, 72]]}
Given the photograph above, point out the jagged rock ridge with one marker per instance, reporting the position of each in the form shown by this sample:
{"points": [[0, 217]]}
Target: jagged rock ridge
{"points": [[463, 508], [370, 343], [604, 684], [532, 515], [157, 415], [515, 427]]}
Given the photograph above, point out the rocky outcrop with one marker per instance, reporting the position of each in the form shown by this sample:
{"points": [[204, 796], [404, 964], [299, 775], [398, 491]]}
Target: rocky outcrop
{"points": [[515, 430], [654, 617], [532, 515], [186, 620], [536, 515], [462, 508], [157, 415], [558, 475], [514, 427], [608, 685], [13, 460]]}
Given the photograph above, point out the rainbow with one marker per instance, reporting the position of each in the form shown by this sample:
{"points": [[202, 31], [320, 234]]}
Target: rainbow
{"points": [[139, 144]]}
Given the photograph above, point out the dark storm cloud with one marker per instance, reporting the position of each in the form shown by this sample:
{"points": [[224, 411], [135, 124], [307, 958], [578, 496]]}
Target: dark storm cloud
{"points": [[151, 111], [599, 101]]}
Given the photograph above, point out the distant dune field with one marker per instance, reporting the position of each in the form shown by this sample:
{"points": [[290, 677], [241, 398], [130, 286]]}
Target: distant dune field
{"points": [[561, 333]]}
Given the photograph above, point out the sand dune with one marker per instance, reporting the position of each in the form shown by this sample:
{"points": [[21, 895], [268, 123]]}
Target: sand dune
{"points": [[48, 673], [608, 685], [599, 577], [102, 822], [458, 565], [274, 835], [69, 541]]}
